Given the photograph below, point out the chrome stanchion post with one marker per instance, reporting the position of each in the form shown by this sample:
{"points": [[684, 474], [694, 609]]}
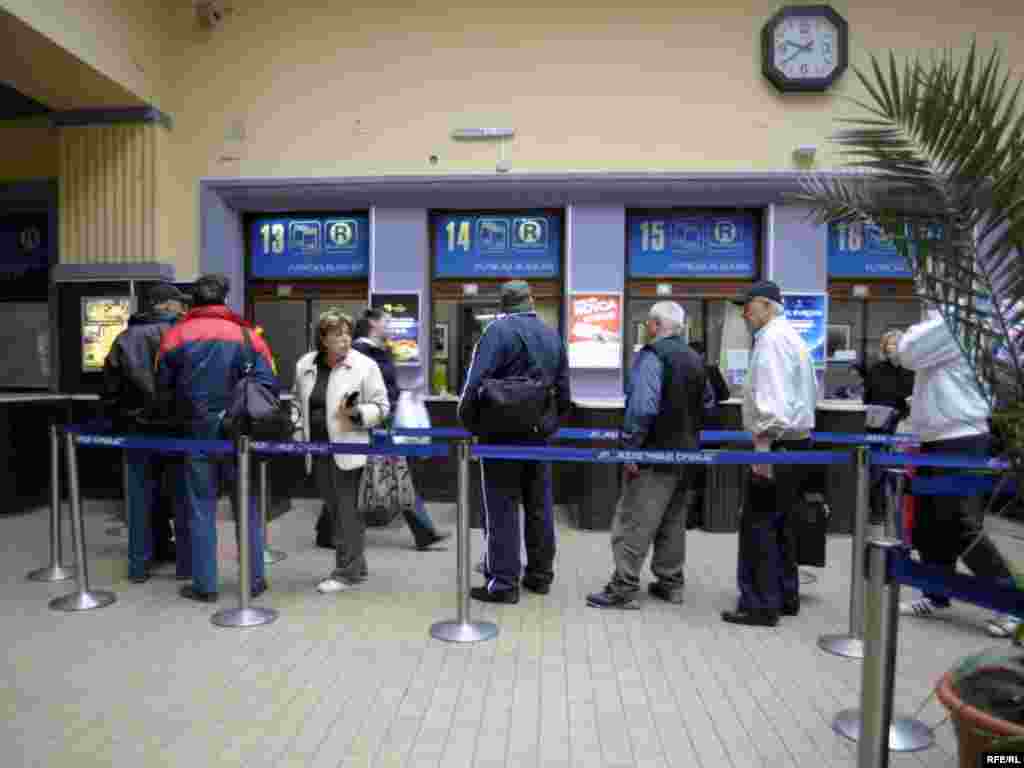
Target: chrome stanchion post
{"points": [[55, 571], [84, 599], [851, 645], [270, 556], [243, 615], [873, 726], [462, 630], [894, 485]]}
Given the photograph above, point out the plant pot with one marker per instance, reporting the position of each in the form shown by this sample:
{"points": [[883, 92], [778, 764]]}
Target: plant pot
{"points": [[976, 731]]}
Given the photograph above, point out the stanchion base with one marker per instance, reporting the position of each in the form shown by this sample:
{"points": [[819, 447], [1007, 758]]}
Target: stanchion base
{"points": [[271, 556], [83, 601], [244, 617], [53, 573], [464, 632], [806, 577], [905, 733], [842, 645]]}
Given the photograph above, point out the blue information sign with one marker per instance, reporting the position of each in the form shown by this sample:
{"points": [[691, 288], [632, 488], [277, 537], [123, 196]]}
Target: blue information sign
{"points": [[517, 244], [310, 246], [861, 250], [24, 244], [808, 314], [700, 244]]}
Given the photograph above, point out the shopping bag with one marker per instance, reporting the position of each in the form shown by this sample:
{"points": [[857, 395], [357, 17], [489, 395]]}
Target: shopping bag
{"points": [[385, 490], [411, 413], [812, 514]]}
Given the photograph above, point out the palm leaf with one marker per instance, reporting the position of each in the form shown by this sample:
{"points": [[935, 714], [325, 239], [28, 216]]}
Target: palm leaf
{"points": [[942, 143]]}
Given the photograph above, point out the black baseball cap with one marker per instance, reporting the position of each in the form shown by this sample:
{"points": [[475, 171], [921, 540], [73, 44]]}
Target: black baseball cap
{"points": [[764, 289], [162, 292], [515, 296]]}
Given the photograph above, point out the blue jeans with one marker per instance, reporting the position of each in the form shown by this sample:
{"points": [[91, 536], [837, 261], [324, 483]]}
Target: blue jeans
{"points": [[142, 490], [202, 477]]}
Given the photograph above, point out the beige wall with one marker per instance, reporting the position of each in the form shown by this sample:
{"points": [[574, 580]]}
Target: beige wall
{"points": [[338, 88]]}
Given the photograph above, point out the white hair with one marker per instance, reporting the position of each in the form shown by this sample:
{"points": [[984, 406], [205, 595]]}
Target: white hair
{"points": [[671, 317]]}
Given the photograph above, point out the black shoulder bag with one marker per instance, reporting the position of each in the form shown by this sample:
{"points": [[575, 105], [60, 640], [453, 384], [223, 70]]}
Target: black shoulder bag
{"points": [[255, 409], [517, 406]]}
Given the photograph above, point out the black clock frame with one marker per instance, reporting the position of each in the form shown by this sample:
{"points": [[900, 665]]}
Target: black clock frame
{"points": [[777, 77]]}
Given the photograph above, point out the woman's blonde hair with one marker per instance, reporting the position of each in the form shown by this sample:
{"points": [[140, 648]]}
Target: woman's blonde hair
{"points": [[331, 319]]}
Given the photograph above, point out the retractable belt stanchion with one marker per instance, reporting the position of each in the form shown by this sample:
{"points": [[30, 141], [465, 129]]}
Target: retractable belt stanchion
{"points": [[56, 570], [244, 615], [269, 555], [894, 485], [873, 726], [462, 630], [851, 645], [84, 599]]}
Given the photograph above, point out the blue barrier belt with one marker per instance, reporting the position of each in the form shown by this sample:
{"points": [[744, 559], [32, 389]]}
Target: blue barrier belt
{"points": [[162, 445], [615, 456], [949, 461], [970, 589], [351, 449], [960, 485]]}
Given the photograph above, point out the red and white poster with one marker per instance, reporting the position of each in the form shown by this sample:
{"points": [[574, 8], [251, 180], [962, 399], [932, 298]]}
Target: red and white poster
{"points": [[595, 330]]}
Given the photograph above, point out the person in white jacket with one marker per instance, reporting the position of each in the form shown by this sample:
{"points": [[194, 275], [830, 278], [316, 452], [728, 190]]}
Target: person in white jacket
{"points": [[950, 415], [340, 395]]}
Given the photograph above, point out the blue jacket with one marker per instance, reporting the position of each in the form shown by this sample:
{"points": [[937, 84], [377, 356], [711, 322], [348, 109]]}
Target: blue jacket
{"points": [[129, 377], [386, 362], [513, 345]]}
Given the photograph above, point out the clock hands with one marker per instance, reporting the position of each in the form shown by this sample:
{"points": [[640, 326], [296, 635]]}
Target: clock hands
{"points": [[800, 49]]}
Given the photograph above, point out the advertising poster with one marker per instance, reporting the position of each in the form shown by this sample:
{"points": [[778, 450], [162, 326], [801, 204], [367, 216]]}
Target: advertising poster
{"points": [[404, 330], [672, 244], [309, 246], [516, 245], [102, 320], [808, 314], [595, 330]]}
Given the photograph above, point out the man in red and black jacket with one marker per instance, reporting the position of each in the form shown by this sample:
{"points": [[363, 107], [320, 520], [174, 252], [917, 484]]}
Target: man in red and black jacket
{"points": [[200, 361]]}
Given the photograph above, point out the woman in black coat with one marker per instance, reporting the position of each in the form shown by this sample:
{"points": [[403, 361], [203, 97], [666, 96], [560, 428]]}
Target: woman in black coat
{"points": [[371, 336]]}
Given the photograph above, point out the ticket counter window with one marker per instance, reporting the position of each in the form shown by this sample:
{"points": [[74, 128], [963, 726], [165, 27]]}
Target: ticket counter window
{"points": [[458, 326]]}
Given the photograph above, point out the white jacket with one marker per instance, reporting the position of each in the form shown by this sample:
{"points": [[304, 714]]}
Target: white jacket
{"points": [[357, 373], [781, 392], [946, 402]]}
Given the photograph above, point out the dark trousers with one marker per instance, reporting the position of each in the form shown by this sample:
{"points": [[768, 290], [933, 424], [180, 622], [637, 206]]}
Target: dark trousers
{"points": [[767, 566], [203, 476], [947, 528], [505, 483], [152, 503], [339, 490]]}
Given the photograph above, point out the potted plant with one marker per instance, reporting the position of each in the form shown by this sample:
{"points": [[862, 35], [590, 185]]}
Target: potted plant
{"points": [[937, 162]]}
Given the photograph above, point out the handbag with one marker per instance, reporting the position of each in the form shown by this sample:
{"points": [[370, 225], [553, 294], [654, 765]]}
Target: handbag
{"points": [[255, 408], [385, 490], [517, 405]]}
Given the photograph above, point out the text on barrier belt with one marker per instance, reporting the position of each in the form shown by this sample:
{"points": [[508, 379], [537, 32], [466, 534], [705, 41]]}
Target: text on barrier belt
{"points": [[934, 580], [707, 436], [616, 456], [354, 449], [162, 444], [949, 461]]}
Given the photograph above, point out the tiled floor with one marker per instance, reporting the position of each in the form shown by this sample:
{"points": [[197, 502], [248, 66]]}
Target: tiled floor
{"points": [[354, 679]]}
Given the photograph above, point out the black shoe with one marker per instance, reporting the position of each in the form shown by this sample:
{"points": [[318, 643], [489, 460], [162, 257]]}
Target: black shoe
{"points": [[751, 618], [791, 608], [536, 585], [612, 599], [191, 593], [139, 578], [436, 538], [259, 589], [166, 554], [508, 596], [661, 592], [324, 541]]}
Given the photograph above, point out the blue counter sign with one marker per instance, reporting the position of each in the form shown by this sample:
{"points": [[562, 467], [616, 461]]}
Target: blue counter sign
{"points": [[669, 244], [859, 250], [307, 246], [497, 245]]}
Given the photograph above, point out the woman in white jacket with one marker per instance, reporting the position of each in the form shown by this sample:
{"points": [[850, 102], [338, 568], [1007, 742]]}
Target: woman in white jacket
{"points": [[341, 396]]}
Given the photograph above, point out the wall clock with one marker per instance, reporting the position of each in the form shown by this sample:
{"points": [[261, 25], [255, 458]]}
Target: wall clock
{"points": [[804, 48]]}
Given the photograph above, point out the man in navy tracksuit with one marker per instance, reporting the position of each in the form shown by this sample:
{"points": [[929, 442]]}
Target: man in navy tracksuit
{"points": [[129, 390], [513, 345], [200, 361]]}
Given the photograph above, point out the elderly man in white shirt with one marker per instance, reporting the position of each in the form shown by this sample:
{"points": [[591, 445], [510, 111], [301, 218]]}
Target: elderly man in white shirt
{"points": [[778, 409]]}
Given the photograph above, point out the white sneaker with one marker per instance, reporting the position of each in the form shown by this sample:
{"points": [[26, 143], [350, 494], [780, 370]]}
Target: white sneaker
{"points": [[1002, 625], [923, 608], [330, 585]]}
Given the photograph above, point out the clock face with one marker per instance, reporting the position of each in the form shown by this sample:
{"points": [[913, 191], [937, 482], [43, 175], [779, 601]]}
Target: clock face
{"points": [[805, 47]]}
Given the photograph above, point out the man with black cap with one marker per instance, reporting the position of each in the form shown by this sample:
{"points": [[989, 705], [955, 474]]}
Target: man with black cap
{"points": [[129, 380], [778, 409], [514, 346]]}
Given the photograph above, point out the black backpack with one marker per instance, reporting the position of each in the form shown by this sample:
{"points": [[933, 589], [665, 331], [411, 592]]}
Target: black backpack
{"points": [[255, 409]]}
